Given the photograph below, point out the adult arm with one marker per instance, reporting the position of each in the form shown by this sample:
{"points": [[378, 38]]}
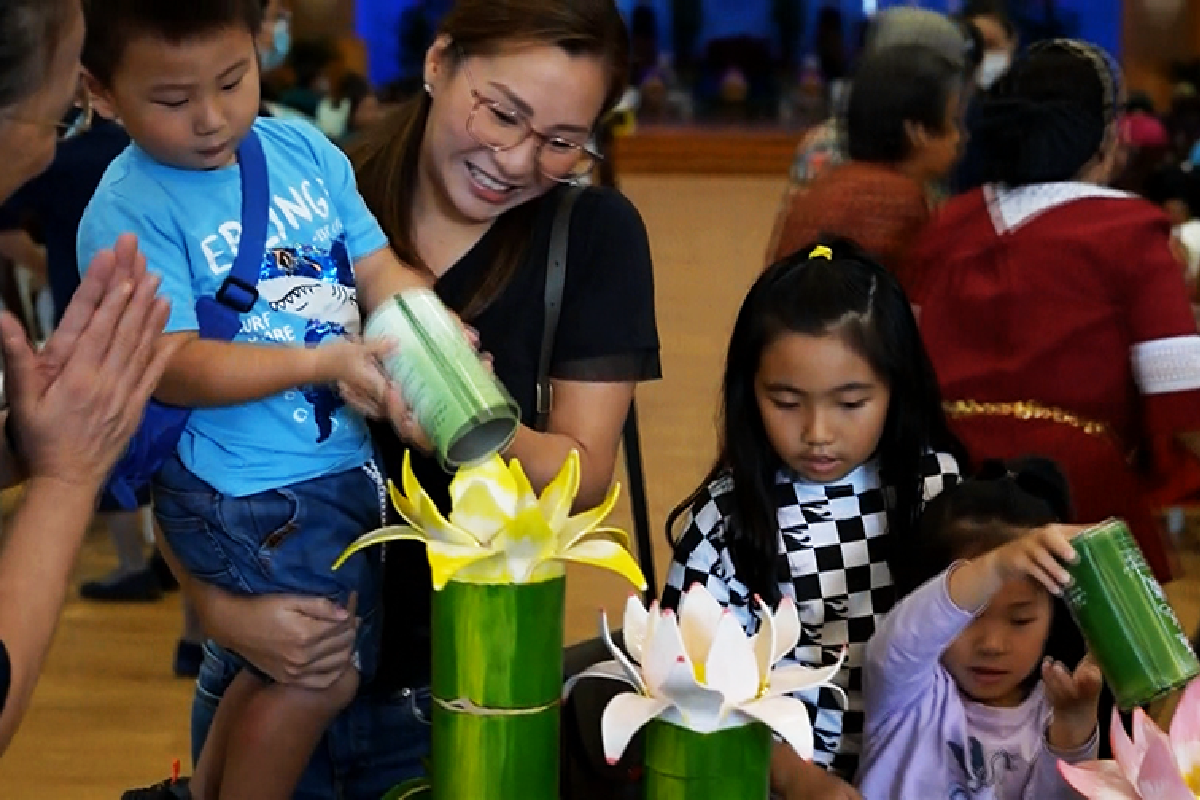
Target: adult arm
{"points": [[605, 344], [300, 641], [586, 417], [75, 405]]}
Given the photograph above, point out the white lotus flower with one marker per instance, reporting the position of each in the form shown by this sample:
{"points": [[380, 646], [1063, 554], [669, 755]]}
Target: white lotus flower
{"points": [[702, 672]]}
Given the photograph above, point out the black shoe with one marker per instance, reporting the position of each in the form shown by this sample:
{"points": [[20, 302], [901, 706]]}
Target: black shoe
{"points": [[162, 571], [188, 658], [135, 587], [169, 789]]}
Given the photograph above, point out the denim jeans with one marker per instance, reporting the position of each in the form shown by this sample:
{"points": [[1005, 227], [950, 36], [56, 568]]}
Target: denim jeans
{"points": [[284, 540], [374, 744]]}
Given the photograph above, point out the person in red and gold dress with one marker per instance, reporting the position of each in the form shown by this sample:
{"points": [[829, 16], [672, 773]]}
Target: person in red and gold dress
{"points": [[1052, 307]]}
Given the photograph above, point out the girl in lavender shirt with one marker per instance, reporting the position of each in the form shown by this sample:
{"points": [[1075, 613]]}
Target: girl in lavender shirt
{"points": [[961, 701]]}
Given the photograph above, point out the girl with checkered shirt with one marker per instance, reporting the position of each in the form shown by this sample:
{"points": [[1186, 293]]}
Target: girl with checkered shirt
{"points": [[832, 437]]}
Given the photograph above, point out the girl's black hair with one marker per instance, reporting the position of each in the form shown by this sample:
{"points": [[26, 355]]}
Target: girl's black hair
{"points": [[985, 512], [1049, 115], [853, 297], [895, 87]]}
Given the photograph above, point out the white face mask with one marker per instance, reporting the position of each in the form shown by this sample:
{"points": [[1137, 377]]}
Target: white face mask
{"points": [[994, 64]]}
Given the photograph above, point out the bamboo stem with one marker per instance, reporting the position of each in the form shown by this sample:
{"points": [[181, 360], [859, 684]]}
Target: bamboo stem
{"points": [[684, 765], [497, 675]]}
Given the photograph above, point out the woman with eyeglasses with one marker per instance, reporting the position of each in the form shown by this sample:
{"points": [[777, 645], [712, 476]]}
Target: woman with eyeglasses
{"points": [[466, 179], [73, 405]]}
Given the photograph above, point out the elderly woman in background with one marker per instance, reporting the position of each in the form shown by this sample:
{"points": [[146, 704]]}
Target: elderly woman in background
{"points": [[824, 147], [74, 404], [902, 135]]}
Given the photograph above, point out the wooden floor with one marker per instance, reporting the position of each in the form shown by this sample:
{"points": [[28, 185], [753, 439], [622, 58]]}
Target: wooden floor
{"points": [[108, 715]]}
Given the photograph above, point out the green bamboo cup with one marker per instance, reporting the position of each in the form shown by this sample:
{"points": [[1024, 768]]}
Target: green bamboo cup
{"points": [[1129, 626], [684, 765], [497, 677], [458, 402]]}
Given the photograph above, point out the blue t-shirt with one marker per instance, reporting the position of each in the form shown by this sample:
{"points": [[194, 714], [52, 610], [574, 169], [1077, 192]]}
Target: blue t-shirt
{"points": [[188, 224]]}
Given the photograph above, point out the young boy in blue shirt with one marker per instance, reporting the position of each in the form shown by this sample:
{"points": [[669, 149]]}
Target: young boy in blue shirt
{"points": [[274, 474]]}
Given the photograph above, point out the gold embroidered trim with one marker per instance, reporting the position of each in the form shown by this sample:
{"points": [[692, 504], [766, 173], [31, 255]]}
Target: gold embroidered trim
{"points": [[1024, 409]]}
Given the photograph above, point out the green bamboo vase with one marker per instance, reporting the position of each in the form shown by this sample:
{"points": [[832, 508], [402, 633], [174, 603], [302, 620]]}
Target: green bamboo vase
{"points": [[730, 764], [499, 650]]}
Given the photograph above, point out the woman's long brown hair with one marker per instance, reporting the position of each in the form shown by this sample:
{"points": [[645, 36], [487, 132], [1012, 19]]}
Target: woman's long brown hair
{"points": [[387, 159]]}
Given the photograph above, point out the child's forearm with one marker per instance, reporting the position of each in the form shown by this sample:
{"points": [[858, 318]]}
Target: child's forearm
{"points": [[972, 584], [1069, 732], [208, 374], [381, 275]]}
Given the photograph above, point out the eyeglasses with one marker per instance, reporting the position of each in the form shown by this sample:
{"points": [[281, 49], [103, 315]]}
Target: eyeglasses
{"points": [[499, 128], [76, 121]]}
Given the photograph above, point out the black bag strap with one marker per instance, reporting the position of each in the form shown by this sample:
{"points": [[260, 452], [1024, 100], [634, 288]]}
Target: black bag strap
{"points": [[556, 277]]}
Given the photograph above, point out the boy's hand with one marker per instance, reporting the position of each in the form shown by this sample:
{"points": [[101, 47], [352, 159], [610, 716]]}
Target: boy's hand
{"points": [[1039, 554], [1074, 697], [356, 367]]}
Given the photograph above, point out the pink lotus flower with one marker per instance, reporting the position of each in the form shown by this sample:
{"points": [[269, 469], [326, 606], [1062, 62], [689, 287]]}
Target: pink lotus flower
{"points": [[1151, 766]]}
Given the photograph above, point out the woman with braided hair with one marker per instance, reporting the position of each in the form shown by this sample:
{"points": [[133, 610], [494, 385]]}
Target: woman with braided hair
{"points": [[1051, 305]]}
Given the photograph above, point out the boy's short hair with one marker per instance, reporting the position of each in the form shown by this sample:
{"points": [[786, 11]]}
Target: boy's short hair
{"points": [[112, 24]]}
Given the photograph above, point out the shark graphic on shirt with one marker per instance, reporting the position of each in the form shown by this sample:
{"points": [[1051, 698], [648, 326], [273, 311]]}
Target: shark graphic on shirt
{"points": [[318, 286]]}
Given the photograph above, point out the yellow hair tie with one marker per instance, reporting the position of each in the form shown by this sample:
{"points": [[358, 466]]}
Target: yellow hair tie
{"points": [[821, 251]]}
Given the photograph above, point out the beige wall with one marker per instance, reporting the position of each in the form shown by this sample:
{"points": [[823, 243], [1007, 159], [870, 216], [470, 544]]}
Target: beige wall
{"points": [[1152, 41], [323, 17]]}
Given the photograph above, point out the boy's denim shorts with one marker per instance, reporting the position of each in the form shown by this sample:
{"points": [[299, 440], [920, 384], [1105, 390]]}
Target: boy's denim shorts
{"points": [[282, 541]]}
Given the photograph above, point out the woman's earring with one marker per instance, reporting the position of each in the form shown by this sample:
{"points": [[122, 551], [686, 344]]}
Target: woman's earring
{"points": [[429, 88]]}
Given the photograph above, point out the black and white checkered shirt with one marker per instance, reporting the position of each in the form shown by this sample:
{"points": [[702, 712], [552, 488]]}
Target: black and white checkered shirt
{"points": [[829, 535]]}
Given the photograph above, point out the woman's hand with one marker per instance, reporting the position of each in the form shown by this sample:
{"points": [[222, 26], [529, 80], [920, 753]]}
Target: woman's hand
{"points": [[400, 413], [76, 403], [299, 641]]}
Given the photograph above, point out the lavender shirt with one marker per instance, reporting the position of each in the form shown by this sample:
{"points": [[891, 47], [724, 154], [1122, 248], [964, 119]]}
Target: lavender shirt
{"points": [[924, 739]]}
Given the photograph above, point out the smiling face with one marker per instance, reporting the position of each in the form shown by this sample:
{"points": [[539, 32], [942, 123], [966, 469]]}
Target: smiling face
{"points": [[991, 659], [822, 404], [555, 93], [190, 104]]}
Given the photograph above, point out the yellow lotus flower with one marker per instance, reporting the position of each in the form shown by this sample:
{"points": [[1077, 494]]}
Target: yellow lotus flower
{"points": [[500, 531]]}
